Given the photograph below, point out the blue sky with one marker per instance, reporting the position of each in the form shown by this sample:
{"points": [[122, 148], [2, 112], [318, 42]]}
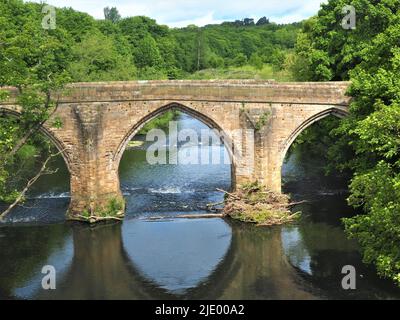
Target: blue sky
{"points": [[179, 13]]}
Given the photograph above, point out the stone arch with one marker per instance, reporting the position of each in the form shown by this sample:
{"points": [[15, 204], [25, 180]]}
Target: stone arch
{"points": [[274, 180], [190, 111], [340, 113], [61, 147]]}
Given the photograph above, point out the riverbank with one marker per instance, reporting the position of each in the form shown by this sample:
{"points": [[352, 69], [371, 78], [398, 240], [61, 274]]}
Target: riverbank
{"points": [[253, 203]]}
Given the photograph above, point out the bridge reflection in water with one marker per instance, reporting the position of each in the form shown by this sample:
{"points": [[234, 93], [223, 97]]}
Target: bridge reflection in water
{"points": [[191, 260], [125, 262]]}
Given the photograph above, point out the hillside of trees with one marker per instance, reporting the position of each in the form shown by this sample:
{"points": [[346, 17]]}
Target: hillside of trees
{"points": [[139, 48]]}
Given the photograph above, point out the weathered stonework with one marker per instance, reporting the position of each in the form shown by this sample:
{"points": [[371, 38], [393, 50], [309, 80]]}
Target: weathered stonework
{"points": [[99, 119]]}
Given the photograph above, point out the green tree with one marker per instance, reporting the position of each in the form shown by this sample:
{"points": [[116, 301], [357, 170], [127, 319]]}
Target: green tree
{"points": [[97, 59], [262, 21], [76, 24], [330, 50], [112, 14], [240, 60], [202, 50], [256, 61], [146, 53], [375, 138], [278, 59]]}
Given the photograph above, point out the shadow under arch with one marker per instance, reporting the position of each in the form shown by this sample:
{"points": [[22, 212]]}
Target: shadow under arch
{"points": [[61, 147], [189, 111], [339, 113]]}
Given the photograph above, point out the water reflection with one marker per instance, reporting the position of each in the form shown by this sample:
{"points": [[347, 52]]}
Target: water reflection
{"points": [[23, 253], [180, 254], [189, 259], [185, 259]]}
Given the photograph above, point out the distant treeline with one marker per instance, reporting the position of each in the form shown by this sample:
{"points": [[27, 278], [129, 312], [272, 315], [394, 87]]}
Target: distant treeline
{"points": [[139, 48], [159, 52]]}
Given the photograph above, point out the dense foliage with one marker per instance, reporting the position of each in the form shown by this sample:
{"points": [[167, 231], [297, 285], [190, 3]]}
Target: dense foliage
{"points": [[139, 48], [368, 141], [158, 52]]}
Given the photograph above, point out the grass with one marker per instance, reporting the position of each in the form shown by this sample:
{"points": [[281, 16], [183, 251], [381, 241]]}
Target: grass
{"points": [[113, 210], [245, 72], [135, 143]]}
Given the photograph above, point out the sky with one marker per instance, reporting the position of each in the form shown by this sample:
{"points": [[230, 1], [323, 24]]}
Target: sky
{"points": [[180, 13]]}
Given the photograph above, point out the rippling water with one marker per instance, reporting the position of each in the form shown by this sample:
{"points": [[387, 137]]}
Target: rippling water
{"points": [[183, 258]]}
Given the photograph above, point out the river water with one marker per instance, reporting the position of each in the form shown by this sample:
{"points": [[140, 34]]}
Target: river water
{"points": [[169, 257]]}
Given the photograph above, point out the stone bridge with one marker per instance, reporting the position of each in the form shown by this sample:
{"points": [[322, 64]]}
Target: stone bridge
{"points": [[99, 119]]}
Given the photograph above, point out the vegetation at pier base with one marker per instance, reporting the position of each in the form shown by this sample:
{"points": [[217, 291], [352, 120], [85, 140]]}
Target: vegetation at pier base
{"points": [[113, 210], [253, 203], [367, 142]]}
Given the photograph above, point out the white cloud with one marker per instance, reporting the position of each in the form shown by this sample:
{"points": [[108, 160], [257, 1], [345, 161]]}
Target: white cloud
{"points": [[200, 21], [178, 13]]}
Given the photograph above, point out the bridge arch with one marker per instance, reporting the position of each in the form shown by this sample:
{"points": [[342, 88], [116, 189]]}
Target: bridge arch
{"points": [[61, 147], [225, 138], [334, 111], [275, 177]]}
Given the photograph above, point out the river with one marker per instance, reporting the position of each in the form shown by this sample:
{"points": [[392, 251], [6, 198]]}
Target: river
{"points": [[173, 258]]}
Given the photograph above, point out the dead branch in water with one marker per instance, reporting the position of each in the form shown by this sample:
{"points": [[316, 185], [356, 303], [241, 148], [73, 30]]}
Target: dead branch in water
{"points": [[229, 194], [215, 204], [95, 219], [200, 216], [297, 203]]}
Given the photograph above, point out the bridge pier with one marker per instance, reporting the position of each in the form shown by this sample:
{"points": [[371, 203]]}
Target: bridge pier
{"points": [[96, 198], [95, 189]]}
